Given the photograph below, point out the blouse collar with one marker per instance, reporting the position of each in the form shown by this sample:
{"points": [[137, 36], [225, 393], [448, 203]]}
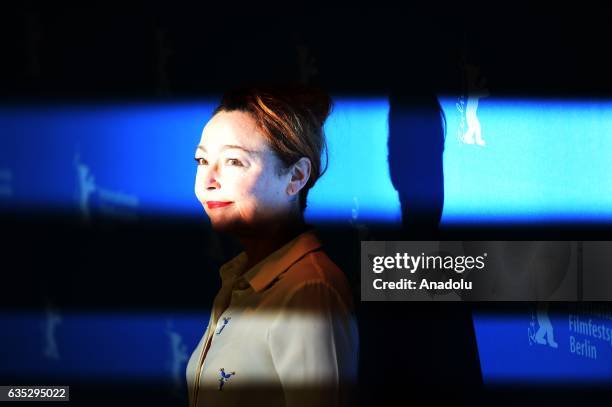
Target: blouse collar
{"points": [[263, 273]]}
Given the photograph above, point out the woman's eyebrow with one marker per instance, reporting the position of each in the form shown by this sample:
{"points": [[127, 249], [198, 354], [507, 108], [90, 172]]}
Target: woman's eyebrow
{"points": [[228, 146]]}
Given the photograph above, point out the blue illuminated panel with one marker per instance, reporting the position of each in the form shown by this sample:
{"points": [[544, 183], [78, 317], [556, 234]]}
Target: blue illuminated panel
{"points": [[542, 160], [538, 160], [539, 347], [71, 346]]}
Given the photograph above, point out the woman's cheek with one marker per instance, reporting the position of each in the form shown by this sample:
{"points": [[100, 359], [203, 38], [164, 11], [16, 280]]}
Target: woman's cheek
{"points": [[250, 191], [200, 196], [240, 197]]}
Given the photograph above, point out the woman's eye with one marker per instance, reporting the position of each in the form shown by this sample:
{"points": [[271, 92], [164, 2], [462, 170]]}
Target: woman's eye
{"points": [[234, 162], [201, 161]]}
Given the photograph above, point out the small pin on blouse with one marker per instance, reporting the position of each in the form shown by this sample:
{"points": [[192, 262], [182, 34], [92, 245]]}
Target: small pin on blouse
{"points": [[224, 377], [225, 322]]}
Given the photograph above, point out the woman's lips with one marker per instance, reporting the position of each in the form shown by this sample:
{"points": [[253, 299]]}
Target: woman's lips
{"points": [[217, 204]]}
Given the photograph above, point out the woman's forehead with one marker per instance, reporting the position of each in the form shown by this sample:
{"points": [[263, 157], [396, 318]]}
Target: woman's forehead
{"points": [[232, 128]]}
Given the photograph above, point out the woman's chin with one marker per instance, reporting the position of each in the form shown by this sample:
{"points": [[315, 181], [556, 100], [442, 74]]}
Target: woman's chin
{"points": [[239, 229], [222, 225], [228, 226]]}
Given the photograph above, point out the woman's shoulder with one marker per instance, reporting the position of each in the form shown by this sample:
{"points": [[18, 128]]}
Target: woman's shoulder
{"points": [[317, 275]]}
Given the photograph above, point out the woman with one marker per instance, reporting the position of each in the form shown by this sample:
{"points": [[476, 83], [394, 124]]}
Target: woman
{"points": [[281, 331]]}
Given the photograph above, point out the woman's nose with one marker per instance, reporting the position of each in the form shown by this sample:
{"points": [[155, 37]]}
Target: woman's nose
{"points": [[212, 181], [212, 184]]}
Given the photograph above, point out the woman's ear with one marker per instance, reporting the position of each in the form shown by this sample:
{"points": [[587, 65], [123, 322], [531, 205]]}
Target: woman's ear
{"points": [[300, 174]]}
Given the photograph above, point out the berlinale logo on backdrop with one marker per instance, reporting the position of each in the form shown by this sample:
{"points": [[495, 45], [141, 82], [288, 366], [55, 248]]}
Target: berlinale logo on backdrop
{"points": [[469, 131], [112, 204], [544, 334]]}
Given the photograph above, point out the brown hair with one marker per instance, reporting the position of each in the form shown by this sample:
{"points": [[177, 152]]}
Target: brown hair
{"points": [[291, 118]]}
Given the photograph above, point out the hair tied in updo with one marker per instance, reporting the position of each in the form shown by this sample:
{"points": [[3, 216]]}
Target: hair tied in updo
{"points": [[316, 101]]}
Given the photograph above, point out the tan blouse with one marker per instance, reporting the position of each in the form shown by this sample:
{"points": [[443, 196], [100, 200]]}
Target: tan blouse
{"points": [[280, 334]]}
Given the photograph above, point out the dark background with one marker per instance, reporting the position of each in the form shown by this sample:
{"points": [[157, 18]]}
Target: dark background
{"points": [[152, 49]]}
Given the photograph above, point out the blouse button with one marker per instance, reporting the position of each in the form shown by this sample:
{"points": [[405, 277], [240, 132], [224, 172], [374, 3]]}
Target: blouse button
{"points": [[242, 284]]}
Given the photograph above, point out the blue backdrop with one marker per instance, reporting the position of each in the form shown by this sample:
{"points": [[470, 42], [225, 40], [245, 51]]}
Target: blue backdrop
{"points": [[506, 161]]}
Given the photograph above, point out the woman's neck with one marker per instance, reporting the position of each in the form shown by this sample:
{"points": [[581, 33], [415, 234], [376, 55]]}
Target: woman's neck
{"points": [[273, 238]]}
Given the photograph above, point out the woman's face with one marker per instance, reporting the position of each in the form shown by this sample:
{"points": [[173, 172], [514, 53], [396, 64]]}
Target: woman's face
{"points": [[237, 179]]}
